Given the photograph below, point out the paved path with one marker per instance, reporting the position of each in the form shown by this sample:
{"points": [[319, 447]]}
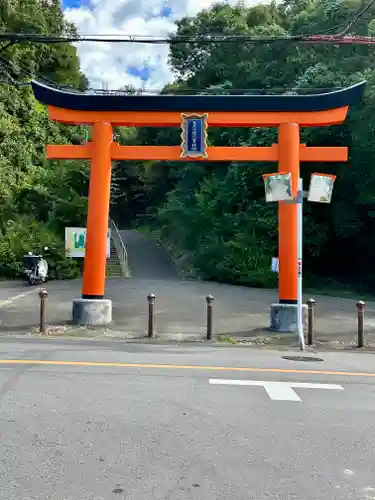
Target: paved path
{"points": [[180, 309], [141, 422], [146, 259]]}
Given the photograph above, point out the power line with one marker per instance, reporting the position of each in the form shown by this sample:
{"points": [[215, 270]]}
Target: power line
{"points": [[338, 40], [171, 38], [23, 72], [357, 16], [47, 39], [341, 38], [202, 40]]}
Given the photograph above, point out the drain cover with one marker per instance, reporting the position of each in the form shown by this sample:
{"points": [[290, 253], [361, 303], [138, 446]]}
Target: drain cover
{"points": [[301, 358]]}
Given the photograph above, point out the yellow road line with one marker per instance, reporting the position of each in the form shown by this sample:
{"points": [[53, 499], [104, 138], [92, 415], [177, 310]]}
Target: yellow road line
{"points": [[180, 367]]}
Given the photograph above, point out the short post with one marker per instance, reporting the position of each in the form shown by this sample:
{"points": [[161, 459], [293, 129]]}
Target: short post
{"points": [[310, 321], [43, 295], [361, 314], [209, 300], [151, 311]]}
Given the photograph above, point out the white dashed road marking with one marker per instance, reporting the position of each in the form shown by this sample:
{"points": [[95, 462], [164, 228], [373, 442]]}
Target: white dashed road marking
{"points": [[277, 391], [10, 300]]}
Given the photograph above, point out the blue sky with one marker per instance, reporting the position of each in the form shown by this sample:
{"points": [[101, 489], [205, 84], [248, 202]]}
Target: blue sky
{"points": [[71, 4], [165, 10], [120, 64]]}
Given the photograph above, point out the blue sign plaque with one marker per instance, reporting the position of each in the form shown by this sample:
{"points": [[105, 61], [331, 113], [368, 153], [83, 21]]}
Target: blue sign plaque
{"points": [[194, 136]]}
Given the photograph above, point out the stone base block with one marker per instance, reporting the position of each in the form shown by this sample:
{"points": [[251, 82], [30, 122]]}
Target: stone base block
{"points": [[284, 317], [92, 312]]}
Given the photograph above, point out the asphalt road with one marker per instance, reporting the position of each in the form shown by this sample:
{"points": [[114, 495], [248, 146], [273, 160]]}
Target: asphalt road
{"points": [[93, 421]]}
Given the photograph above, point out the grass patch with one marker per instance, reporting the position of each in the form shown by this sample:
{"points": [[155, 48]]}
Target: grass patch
{"points": [[227, 339]]}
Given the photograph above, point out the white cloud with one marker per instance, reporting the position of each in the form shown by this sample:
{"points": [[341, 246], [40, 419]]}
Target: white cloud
{"points": [[113, 64]]}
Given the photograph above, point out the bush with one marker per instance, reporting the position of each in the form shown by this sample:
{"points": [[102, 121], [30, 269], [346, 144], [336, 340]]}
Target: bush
{"points": [[24, 234]]}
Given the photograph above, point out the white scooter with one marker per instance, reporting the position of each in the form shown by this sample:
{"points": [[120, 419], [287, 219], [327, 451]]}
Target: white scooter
{"points": [[36, 268]]}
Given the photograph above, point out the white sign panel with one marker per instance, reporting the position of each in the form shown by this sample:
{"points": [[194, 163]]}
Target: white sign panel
{"points": [[75, 242], [321, 187], [278, 187]]}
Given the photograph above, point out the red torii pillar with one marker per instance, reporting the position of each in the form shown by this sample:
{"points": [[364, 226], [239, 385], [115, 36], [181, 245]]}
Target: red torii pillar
{"points": [[98, 212], [289, 161], [287, 113]]}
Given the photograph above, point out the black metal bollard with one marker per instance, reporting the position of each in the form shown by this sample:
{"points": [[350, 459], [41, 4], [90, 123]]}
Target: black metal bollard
{"points": [[43, 295], [361, 315], [310, 321], [209, 300], [151, 312]]}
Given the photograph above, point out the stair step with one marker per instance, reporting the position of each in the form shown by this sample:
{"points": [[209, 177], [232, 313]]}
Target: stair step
{"points": [[113, 267]]}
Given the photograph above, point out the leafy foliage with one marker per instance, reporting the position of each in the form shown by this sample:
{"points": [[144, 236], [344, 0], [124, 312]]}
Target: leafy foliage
{"points": [[216, 213], [25, 234], [37, 198]]}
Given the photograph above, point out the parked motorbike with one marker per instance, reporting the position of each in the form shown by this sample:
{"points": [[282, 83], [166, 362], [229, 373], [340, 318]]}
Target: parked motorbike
{"points": [[35, 268]]}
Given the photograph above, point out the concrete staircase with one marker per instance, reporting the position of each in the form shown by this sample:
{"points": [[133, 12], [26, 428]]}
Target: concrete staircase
{"points": [[113, 269]]}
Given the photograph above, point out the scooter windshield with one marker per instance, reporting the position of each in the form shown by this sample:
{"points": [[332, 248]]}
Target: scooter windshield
{"points": [[30, 261]]}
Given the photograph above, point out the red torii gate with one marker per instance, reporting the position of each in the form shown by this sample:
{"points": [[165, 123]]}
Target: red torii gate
{"points": [[286, 112]]}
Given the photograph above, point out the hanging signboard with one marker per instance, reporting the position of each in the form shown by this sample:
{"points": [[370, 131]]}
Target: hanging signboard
{"points": [[194, 135], [278, 186], [321, 187], [75, 242]]}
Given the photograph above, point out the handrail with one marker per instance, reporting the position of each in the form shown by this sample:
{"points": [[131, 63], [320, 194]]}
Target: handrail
{"points": [[121, 251]]}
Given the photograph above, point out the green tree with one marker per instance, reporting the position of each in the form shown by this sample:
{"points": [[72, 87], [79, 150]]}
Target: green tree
{"points": [[37, 198], [217, 212]]}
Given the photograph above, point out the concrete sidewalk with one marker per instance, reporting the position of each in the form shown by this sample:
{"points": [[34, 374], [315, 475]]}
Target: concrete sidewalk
{"points": [[180, 310]]}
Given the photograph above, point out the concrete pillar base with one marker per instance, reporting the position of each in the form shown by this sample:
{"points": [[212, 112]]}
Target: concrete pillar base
{"points": [[284, 317], [91, 312]]}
